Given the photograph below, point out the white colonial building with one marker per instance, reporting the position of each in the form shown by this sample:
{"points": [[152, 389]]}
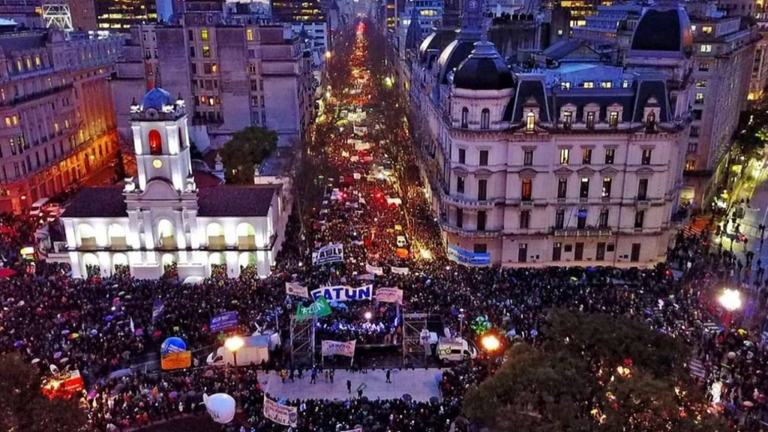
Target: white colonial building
{"points": [[162, 221], [568, 162]]}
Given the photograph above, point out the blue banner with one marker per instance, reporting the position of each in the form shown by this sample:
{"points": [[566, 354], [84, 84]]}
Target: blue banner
{"points": [[158, 307], [464, 256], [224, 321]]}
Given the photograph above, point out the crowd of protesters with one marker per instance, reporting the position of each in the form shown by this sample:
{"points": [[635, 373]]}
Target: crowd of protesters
{"points": [[102, 325]]}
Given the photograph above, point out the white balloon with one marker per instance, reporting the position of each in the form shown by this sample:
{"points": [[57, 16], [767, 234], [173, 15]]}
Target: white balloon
{"points": [[221, 407]]}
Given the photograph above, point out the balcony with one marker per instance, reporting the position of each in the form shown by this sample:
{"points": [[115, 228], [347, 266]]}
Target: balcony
{"points": [[581, 232], [643, 203], [465, 232], [464, 202]]}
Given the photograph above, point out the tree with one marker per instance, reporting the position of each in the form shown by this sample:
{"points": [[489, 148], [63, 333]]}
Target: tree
{"points": [[593, 373], [247, 148], [23, 407]]}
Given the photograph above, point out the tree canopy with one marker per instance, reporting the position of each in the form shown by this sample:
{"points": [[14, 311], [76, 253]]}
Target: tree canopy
{"points": [[23, 407], [246, 150], [593, 373]]}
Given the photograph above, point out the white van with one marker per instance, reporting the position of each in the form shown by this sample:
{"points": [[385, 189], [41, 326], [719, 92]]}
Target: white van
{"points": [[37, 207], [255, 350], [454, 350]]}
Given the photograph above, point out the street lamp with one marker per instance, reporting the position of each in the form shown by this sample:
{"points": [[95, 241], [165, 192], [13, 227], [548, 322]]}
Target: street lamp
{"points": [[233, 344], [491, 344], [368, 315]]}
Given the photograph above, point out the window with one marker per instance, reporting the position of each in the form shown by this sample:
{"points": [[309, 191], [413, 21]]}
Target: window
{"points": [[581, 218], [693, 147], [705, 48], [564, 153], [589, 84], [480, 248], [607, 183], [206, 51], [562, 187], [695, 130], [528, 158], [584, 187], [701, 84], [481, 217], [460, 185], [462, 156], [586, 156], [646, 158], [613, 119], [650, 120], [560, 219], [460, 218], [642, 189], [639, 218], [155, 143], [483, 157], [527, 190], [530, 122], [703, 67], [525, 219], [625, 83], [690, 165], [591, 119], [465, 117], [565, 85], [606, 84], [249, 34], [706, 30], [568, 119], [603, 220], [485, 119], [204, 35], [191, 52], [699, 98], [482, 190]]}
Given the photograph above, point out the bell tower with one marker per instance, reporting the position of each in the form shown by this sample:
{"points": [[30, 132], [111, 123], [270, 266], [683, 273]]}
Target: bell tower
{"points": [[161, 141]]}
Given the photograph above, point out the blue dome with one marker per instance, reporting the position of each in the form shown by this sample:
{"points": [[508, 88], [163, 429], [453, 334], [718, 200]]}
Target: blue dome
{"points": [[157, 98]]}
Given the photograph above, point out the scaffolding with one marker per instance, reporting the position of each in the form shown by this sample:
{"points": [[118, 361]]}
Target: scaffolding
{"points": [[302, 342], [415, 346], [57, 15]]}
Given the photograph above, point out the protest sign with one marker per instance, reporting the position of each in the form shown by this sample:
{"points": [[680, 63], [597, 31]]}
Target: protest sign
{"points": [[320, 308], [343, 293], [375, 270], [280, 414], [328, 254], [224, 321], [400, 270], [389, 295], [176, 360], [295, 288], [331, 348], [158, 308]]}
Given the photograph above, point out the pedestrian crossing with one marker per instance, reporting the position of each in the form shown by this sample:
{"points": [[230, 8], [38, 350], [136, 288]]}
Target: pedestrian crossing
{"points": [[697, 368]]}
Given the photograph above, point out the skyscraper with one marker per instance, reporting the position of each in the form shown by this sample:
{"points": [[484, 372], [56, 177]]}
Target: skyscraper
{"points": [[120, 15]]}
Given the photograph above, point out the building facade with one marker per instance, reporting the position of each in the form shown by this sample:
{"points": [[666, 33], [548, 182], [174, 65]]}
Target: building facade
{"points": [[571, 164], [121, 15], [160, 223], [58, 123]]}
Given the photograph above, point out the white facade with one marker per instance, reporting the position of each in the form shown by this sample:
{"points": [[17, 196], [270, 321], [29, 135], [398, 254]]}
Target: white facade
{"points": [[162, 218]]}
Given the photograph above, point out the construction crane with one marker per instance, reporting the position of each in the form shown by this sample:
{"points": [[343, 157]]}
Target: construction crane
{"points": [[57, 15]]}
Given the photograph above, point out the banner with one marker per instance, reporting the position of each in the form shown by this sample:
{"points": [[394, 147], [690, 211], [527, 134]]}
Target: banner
{"points": [[400, 270], [375, 270], [329, 254], [343, 293], [224, 321], [176, 360], [360, 145], [158, 308], [297, 289], [280, 414], [320, 308], [464, 256], [367, 276], [331, 348], [389, 295]]}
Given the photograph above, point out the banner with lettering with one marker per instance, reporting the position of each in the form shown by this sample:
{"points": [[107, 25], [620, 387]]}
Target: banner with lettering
{"points": [[329, 254], [375, 270], [389, 295], [176, 360], [224, 321], [320, 308], [343, 293], [297, 289], [331, 348], [400, 270], [280, 414]]}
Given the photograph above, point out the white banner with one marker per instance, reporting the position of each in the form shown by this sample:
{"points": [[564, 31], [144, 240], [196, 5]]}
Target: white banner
{"points": [[280, 414], [343, 293], [375, 270], [329, 254], [400, 270], [297, 289], [360, 145], [367, 276], [331, 348], [389, 295]]}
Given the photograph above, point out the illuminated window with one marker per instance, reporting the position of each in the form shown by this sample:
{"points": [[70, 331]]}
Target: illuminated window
{"points": [[589, 84], [204, 34], [699, 98], [249, 34], [613, 119], [690, 165], [215, 67], [155, 143], [706, 30], [565, 85], [606, 84], [705, 48], [701, 83], [38, 63], [530, 122], [206, 51], [8, 121], [564, 155], [625, 83]]}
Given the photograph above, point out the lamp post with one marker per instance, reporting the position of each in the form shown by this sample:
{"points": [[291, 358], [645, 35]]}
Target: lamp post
{"points": [[491, 344], [233, 344], [731, 301]]}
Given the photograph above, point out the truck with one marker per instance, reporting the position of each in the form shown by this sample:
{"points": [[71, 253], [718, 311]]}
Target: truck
{"points": [[254, 351], [455, 349]]}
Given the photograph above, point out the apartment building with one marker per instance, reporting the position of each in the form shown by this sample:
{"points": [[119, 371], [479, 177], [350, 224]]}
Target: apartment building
{"points": [[57, 122]]}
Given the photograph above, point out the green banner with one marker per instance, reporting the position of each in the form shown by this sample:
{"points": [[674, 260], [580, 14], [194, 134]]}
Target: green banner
{"points": [[320, 308]]}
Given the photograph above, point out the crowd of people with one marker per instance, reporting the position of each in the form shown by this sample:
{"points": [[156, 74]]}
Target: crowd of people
{"points": [[102, 326]]}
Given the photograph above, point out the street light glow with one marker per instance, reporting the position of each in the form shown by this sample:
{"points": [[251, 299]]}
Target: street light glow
{"points": [[730, 299], [490, 342], [368, 315], [234, 343]]}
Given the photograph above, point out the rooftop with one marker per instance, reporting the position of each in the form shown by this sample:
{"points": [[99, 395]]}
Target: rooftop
{"points": [[232, 201]]}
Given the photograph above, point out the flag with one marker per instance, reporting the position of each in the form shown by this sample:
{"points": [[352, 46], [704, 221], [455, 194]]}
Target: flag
{"points": [[320, 308], [157, 310]]}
